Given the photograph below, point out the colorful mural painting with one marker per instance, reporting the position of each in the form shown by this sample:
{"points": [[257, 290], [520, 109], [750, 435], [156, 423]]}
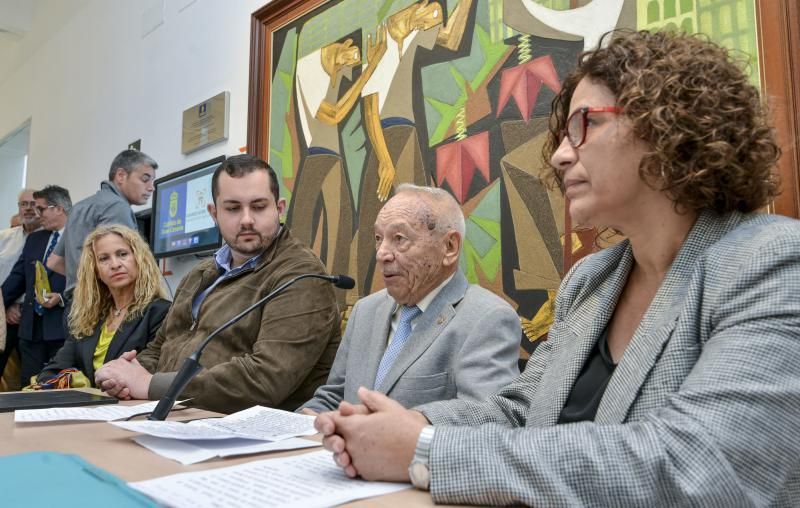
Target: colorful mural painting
{"points": [[368, 94]]}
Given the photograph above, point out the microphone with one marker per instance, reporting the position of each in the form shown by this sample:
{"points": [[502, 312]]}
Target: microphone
{"points": [[340, 281], [191, 366]]}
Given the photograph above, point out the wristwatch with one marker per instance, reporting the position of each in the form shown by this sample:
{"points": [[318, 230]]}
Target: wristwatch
{"points": [[418, 470]]}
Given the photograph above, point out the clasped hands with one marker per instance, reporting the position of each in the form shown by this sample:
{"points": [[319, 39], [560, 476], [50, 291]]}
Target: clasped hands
{"points": [[375, 439], [124, 378]]}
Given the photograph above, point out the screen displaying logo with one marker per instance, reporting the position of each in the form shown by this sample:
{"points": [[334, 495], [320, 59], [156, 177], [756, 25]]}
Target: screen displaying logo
{"points": [[173, 204]]}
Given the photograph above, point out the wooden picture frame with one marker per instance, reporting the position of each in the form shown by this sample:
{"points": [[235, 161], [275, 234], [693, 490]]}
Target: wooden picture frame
{"points": [[779, 48]]}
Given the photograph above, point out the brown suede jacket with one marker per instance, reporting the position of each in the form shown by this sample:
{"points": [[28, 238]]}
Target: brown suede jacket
{"points": [[275, 356]]}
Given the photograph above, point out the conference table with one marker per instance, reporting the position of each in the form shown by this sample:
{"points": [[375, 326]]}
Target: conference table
{"points": [[114, 450]]}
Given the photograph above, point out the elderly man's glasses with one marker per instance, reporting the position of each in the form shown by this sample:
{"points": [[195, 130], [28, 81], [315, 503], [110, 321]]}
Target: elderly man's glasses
{"points": [[578, 121], [26, 204], [40, 209]]}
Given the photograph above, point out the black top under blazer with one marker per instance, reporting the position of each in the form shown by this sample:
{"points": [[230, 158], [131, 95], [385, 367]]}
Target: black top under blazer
{"points": [[133, 334]]}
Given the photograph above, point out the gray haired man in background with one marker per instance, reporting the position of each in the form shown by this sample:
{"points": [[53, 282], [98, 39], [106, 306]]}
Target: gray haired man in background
{"points": [[130, 182]]}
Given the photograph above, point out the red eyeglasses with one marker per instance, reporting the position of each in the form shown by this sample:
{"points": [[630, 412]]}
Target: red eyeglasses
{"points": [[577, 122]]}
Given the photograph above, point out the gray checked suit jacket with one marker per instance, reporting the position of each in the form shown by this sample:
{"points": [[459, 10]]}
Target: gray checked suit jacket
{"points": [[465, 344], [703, 409]]}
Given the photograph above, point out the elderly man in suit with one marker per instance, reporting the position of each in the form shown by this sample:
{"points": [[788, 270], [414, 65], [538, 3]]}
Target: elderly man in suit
{"points": [[429, 335], [41, 331]]}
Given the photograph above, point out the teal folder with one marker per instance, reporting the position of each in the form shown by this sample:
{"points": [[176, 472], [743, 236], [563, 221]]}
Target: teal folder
{"points": [[49, 479]]}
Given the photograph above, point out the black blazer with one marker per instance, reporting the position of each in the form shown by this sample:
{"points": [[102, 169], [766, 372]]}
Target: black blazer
{"points": [[134, 334], [20, 281]]}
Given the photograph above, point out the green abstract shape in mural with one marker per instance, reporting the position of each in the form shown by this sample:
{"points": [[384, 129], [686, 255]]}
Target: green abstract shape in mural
{"points": [[556, 5], [731, 23], [492, 52], [482, 245], [475, 252], [446, 94], [354, 151], [479, 237], [281, 160], [489, 207], [280, 141], [447, 112], [498, 30], [286, 79]]}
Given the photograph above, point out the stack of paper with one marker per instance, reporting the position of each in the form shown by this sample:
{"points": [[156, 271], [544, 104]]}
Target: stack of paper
{"points": [[192, 452], [240, 433], [307, 480], [96, 413], [258, 422]]}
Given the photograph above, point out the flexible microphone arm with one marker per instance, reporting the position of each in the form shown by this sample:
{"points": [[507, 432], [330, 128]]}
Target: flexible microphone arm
{"points": [[191, 365]]}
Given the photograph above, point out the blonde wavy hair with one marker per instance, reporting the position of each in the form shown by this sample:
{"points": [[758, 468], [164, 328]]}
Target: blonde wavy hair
{"points": [[92, 300]]}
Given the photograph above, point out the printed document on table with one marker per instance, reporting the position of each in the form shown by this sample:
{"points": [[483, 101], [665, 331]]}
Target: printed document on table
{"points": [[307, 480], [97, 413], [192, 452], [257, 422]]}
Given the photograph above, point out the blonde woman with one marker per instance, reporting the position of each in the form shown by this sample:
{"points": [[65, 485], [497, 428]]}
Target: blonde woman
{"points": [[118, 303]]}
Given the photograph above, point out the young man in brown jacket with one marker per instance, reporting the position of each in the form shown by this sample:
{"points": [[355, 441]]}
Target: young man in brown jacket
{"points": [[275, 356]]}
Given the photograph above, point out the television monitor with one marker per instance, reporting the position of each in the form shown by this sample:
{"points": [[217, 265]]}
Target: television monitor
{"points": [[180, 223]]}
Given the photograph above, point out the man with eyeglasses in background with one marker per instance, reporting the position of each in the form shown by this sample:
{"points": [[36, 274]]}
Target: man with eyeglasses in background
{"points": [[41, 328], [13, 238], [11, 242]]}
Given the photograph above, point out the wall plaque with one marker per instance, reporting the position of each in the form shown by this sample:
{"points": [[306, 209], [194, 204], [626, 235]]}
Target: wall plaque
{"points": [[206, 123]]}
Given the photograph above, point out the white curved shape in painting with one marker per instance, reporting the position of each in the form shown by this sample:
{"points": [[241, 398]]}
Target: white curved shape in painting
{"points": [[590, 21]]}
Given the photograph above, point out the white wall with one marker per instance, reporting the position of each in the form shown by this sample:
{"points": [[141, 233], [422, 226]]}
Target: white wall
{"points": [[13, 152], [98, 84]]}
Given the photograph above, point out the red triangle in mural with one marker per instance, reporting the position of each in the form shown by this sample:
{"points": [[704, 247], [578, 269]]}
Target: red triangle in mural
{"points": [[456, 163], [523, 83]]}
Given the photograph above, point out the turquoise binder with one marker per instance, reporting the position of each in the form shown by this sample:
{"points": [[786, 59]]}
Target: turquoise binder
{"points": [[49, 479]]}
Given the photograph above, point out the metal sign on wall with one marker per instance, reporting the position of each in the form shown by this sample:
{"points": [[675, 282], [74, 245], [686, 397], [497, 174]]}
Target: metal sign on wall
{"points": [[206, 123]]}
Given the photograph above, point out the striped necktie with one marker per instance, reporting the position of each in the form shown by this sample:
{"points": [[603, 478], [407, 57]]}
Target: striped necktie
{"points": [[401, 335]]}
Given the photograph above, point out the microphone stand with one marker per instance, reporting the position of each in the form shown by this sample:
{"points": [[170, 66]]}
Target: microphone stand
{"points": [[191, 365]]}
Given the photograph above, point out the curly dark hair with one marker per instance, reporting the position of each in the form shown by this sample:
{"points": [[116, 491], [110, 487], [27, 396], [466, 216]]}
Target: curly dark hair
{"points": [[710, 145]]}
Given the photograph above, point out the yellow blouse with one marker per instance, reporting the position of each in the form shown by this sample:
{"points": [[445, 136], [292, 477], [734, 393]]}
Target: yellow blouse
{"points": [[102, 347]]}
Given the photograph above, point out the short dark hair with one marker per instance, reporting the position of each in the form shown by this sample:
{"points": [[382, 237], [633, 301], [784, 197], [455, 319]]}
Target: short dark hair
{"points": [[710, 142], [240, 165], [56, 196], [128, 160]]}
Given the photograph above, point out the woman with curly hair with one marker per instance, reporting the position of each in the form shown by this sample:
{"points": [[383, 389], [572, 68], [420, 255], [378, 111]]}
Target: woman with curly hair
{"points": [[670, 375], [118, 303]]}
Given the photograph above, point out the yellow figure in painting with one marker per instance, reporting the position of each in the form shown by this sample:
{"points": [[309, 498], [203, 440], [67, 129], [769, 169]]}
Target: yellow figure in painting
{"points": [[393, 85], [321, 213], [338, 56]]}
